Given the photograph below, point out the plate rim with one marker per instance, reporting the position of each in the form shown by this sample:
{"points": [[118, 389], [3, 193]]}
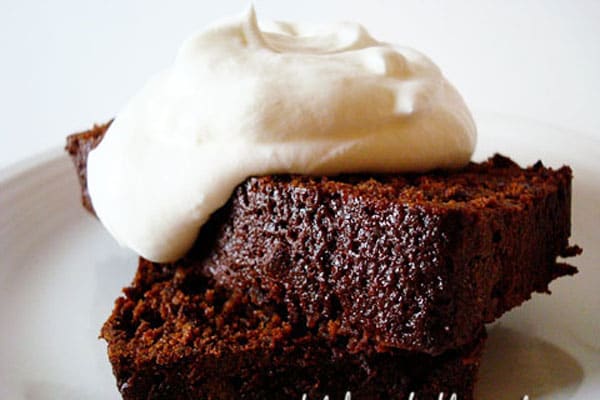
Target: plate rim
{"points": [[25, 165]]}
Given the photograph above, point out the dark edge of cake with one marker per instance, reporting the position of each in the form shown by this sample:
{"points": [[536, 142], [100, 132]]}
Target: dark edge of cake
{"points": [[79, 146], [417, 261]]}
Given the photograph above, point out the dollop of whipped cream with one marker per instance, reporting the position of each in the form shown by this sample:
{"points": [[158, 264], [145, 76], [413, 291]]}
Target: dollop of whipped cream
{"points": [[243, 100]]}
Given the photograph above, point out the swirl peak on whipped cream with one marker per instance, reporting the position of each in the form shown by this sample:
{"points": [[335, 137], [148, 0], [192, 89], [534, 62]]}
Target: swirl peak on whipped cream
{"points": [[243, 100]]}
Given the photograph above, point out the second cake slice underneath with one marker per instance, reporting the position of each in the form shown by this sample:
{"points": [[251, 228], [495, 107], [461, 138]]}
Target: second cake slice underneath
{"points": [[413, 262], [177, 335]]}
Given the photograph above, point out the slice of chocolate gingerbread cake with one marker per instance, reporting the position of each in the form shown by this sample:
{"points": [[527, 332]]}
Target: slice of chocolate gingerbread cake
{"points": [[413, 262]]}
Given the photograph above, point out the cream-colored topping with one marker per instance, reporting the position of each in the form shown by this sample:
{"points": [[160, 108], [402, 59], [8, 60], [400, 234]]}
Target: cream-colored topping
{"points": [[243, 100]]}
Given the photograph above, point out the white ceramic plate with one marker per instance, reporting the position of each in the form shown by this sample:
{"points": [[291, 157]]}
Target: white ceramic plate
{"points": [[60, 273]]}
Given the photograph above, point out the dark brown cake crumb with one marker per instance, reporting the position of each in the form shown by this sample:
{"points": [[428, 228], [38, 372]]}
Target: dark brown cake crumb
{"points": [[176, 335], [417, 262]]}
